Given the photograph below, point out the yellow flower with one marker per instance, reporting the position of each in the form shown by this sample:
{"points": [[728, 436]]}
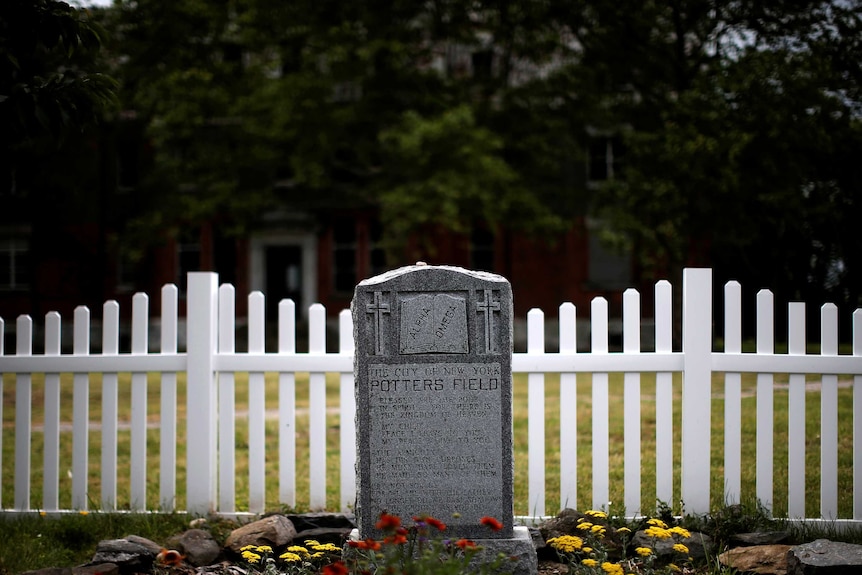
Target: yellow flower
{"points": [[589, 562], [290, 557], [596, 514], [657, 523], [598, 529], [657, 532], [250, 556], [329, 547], [299, 550], [684, 533], [84, 512], [318, 555], [643, 551], [624, 530], [566, 543], [612, 568], [587, 549], [312, 543], [264, 549], [674, 567], [680, 548], [585, 526]]}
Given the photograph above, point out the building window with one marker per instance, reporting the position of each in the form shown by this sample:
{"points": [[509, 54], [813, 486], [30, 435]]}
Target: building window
{"points": [[605, 159], [14, 264], [608, 268], [482, 249], [344, 255]]}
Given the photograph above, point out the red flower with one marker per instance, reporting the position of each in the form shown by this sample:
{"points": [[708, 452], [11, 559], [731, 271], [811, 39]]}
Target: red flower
{"points": [[465, 544], [491, 523], [337, 568], [388, 522]]}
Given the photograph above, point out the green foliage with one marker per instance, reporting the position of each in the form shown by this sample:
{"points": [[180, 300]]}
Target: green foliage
{"points": [[34, 541], [50, 79]]}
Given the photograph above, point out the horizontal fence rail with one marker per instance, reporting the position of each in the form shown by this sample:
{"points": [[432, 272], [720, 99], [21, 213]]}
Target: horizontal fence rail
{"points": [[210, 368]]}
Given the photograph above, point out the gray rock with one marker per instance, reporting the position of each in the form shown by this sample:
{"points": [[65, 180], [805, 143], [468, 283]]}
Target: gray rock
{"points": [[760, 559], [197, 545], [321, 520], [99, 569], [49, 571], [276, 531], [760, 538], [128, 556], [824, 557]]}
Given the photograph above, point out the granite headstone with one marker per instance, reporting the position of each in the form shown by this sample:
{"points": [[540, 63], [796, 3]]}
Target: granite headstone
{"points": [[434, 398]]}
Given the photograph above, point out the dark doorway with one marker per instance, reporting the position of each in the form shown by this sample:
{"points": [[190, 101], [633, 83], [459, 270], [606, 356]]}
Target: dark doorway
{"points": [[283, 278]]}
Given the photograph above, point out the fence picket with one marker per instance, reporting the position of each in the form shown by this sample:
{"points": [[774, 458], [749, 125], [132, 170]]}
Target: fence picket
{"points": [[347, 401], [201, 394], [226, 402], [829, 416], [317, 409], [80, 411], [51, 432], [664, 395], [536, 416], [601, 431], [796, 415], [696, 388], [568, 411], [168, 415], [857, 418], [110, 405], [632, 405], [256, 407], [733, 395], [138, 455], [287, 406], [2, 353], [23, 414], [765, 401]]}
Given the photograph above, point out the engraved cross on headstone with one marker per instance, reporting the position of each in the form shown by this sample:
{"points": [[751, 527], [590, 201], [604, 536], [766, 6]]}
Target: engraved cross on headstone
{"points": [[378, 308], [488, 307]]}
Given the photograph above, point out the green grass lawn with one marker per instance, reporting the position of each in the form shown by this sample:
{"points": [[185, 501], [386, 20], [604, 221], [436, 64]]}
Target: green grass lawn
{"points": [[552, 422]]}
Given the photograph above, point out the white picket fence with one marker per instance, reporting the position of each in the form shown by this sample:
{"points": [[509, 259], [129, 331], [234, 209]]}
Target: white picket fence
{"points": [[211, 363]]}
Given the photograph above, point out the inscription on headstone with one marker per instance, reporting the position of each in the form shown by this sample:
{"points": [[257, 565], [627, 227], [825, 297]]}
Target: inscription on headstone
{"points": [[434, 398]]}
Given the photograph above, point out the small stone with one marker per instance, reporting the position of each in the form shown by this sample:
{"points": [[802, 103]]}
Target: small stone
{"points": [[760, 538], [760, 559], [275, 531], [197, 545]]}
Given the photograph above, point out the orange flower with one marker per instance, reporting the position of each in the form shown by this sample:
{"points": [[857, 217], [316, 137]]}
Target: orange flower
{"points": [[465, 544], [435, 523], [337, 568], [388, 522], [491, 523], [169, 557], [368, 545], [397, 539]]}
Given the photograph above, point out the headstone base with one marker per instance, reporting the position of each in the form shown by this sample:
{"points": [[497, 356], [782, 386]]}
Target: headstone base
{"points": [[520, 549]]}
